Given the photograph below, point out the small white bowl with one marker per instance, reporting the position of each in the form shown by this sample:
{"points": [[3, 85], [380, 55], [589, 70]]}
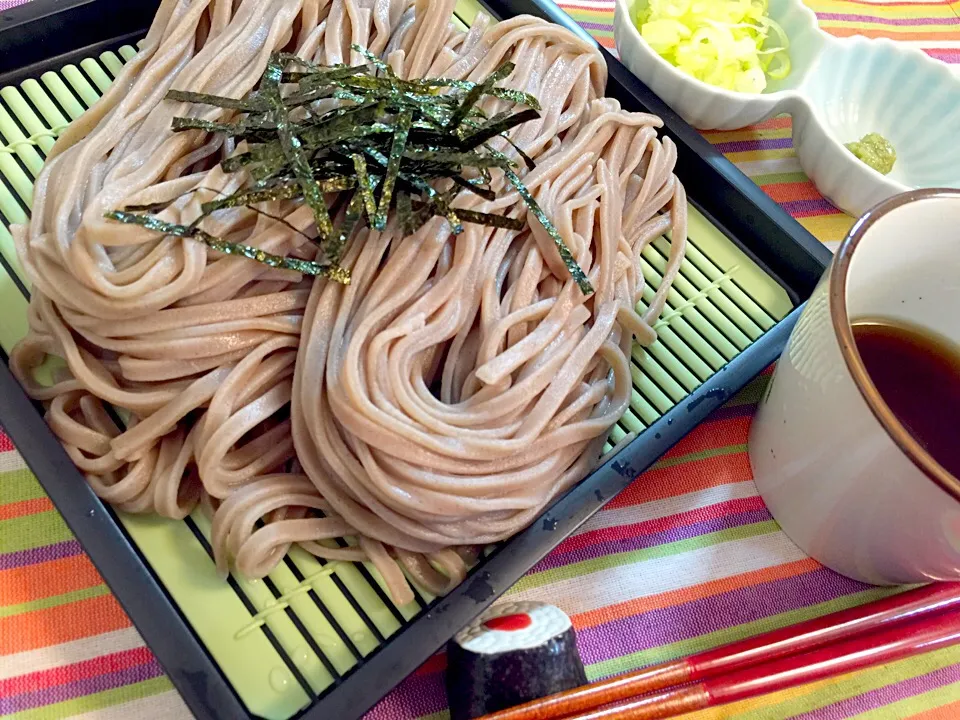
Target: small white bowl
{"points": [[860, 86], [837, 91], [705, 106]]}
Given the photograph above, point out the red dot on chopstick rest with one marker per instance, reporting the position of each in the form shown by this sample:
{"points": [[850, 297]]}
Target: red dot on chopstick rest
{"points": [[509, 623]]}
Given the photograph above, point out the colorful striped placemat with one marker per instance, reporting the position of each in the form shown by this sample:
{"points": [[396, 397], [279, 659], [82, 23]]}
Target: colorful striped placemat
{"points": [[687, 558]]}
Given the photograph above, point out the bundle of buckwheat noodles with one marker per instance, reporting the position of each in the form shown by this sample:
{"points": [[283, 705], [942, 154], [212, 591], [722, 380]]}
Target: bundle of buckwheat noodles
{"points": [[437, 402]]}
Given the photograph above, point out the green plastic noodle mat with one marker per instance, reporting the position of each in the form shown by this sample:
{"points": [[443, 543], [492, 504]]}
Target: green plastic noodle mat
{"points": [[308, 623]]}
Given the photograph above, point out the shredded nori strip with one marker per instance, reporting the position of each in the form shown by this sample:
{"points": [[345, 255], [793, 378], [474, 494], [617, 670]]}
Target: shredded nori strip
{"points": [[350, 220], [420, 216], [575, 270], [498, 125], [236, 200], [364, 190], [515, 96], [527, 160], [252, 104], [476, 92], [150, 207], [240, 199], [475, 188], [237, 130], [409, 145], [393, 168], [491, 219], [251, 206], [441, 205], [307, 267], [373, 60], [293, 150], [405, 212]]}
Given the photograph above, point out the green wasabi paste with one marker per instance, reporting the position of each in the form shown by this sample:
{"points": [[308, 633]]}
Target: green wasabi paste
{"points": [[874, 150]]}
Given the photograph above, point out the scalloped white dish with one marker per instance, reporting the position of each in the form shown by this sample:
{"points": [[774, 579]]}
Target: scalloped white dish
{"points": [[839, 90]]}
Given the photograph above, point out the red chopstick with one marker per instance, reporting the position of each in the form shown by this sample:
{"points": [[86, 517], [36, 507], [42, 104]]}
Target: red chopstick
{"points": [[892, 643], [737, 656]]}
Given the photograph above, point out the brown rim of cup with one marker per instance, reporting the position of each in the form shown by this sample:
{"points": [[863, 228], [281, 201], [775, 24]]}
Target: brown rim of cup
{"points": [[848, 348]]}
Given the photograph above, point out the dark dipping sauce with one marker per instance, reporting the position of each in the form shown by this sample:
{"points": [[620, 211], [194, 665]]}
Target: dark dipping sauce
{"points": [[918, 376]]}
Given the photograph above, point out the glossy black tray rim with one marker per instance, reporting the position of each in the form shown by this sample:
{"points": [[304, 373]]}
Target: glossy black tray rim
{"points": [[47, 34]]}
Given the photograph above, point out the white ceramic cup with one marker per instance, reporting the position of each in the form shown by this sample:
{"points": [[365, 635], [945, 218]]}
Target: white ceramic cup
{"points": [[843, 478]]}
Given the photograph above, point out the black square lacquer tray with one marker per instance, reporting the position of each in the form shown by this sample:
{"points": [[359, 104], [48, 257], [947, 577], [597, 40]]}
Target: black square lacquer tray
{"points": [[318, 640]]}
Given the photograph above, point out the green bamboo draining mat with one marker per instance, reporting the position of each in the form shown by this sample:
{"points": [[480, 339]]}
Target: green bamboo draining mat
{"points": [[293, 636]]}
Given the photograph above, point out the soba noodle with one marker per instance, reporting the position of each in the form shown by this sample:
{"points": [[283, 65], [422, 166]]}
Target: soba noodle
{"points": [[435, 404]]}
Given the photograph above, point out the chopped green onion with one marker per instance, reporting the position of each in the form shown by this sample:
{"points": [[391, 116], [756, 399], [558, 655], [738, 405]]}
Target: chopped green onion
{"points": [[732, 44]]}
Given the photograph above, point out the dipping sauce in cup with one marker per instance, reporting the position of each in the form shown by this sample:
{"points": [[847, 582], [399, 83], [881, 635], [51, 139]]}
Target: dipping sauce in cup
{"points": [[856, 445], [918, 376]]}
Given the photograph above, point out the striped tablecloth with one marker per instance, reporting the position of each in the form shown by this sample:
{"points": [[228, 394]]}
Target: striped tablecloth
{"points": [[685, 559]]}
